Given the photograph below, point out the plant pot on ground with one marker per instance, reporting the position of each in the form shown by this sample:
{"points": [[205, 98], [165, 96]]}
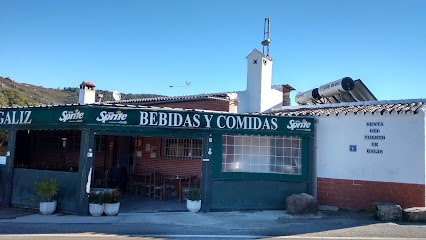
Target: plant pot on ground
{"points": [[96, 204], [112, 202], [45, 191], [193, 203]]}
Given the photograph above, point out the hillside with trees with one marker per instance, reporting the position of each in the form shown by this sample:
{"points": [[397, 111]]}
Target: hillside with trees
{"points": [[14, 94]]}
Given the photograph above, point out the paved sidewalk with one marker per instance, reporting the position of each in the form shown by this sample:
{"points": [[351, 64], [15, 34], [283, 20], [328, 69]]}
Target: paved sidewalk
{"points": [[246, 218], [213, 225]]}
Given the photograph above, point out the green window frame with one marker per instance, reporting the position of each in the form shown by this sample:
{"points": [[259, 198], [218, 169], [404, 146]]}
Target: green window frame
{"points": [[262, 154]]}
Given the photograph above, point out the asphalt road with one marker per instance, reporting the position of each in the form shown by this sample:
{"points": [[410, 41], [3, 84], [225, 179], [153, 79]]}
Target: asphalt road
{"points": [[296, 230], [275, 225]]}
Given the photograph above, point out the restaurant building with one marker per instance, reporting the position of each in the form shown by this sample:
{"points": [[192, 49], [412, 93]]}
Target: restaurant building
{"points": [[250, 161], [245, 150], [238, 160]]}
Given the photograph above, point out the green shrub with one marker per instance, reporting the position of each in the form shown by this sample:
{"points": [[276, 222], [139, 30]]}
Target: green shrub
{"points": [[105, 197], [115, 195], [95, 198], [194, 194], [46, 190]]}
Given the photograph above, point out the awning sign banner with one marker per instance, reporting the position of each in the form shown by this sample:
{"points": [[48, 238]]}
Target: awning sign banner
{"points": [[15, 117], [154, 118]]}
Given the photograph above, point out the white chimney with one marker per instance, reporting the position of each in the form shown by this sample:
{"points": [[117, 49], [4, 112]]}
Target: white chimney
{"points": [[258, 96], [87, 93]]}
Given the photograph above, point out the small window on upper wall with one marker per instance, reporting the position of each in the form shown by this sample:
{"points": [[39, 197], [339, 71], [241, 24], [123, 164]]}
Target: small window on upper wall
{"points": [[182, 148]]}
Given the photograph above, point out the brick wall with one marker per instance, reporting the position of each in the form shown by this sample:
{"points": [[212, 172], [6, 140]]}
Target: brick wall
{"points": [[355, 194], [215, 105], [148, 162]]}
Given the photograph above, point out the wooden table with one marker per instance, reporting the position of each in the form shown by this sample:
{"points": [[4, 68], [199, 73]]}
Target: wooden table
{"points": [[178, 181]]}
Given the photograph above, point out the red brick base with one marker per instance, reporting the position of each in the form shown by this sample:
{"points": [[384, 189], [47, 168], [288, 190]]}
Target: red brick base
{"points": [[360, 195]]}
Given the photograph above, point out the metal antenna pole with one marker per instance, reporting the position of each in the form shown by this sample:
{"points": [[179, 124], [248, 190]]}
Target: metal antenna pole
{"points": [[267, 40]]}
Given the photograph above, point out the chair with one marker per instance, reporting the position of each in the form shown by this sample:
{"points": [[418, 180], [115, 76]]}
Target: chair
{"points": [[171, 191], [150, 185], [159, 186], [137, 184]]}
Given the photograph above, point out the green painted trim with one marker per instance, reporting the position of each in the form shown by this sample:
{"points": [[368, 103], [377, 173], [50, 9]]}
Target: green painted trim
{"points": [[144, 118], [85, 168], [9, 170]]}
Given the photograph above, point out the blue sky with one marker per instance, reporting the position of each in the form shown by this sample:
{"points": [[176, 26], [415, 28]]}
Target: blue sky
{"points": [[136, 46]]}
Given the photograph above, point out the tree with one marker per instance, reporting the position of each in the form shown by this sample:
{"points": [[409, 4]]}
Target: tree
{"points": [[13, 98]]}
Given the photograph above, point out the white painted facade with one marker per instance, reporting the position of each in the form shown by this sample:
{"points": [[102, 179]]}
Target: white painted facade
{"points": [[382, 148], [259, 95], [87, 94]]}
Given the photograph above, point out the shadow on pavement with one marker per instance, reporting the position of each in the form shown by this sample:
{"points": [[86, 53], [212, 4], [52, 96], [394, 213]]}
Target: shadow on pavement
{"points": [[10, 213]]}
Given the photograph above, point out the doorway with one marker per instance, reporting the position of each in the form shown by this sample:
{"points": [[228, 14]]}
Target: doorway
{"points": [[153, 173]]}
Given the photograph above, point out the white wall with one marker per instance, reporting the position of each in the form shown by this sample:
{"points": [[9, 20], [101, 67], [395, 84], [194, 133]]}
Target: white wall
{"points": [[87, 96], [273, 100], [401, 156], [259, 95]]}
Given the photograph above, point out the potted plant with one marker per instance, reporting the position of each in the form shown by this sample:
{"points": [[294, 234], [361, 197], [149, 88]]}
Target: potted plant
{"points": [[96, 203], [193, 203], [45, 191], [112, 202]]}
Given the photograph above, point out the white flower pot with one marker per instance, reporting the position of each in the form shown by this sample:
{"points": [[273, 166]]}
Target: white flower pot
{"points": [[47, 208], [111, 209], [193, 206], [95, 209]]}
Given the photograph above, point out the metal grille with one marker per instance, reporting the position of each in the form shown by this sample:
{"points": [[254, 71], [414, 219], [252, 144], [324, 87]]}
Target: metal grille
{"points": [[182, 148]]}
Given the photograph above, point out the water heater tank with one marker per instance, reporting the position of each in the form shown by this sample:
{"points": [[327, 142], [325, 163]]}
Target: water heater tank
{"points": [[333, 88], [304, 97]]}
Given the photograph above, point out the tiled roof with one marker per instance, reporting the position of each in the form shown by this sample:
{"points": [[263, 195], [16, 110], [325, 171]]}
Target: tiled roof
{"points": [[373, 107], [87, 84], [111, 105], [207, 96], [216, 96]]}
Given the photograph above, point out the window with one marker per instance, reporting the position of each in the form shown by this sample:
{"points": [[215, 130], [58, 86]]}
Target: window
{"points": [[182, 148], [54, 150], [54, 141], [262, 154]]}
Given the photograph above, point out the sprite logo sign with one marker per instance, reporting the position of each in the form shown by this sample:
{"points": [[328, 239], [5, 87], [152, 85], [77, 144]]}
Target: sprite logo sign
{"points": [[72, 116], [301, 125]]}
